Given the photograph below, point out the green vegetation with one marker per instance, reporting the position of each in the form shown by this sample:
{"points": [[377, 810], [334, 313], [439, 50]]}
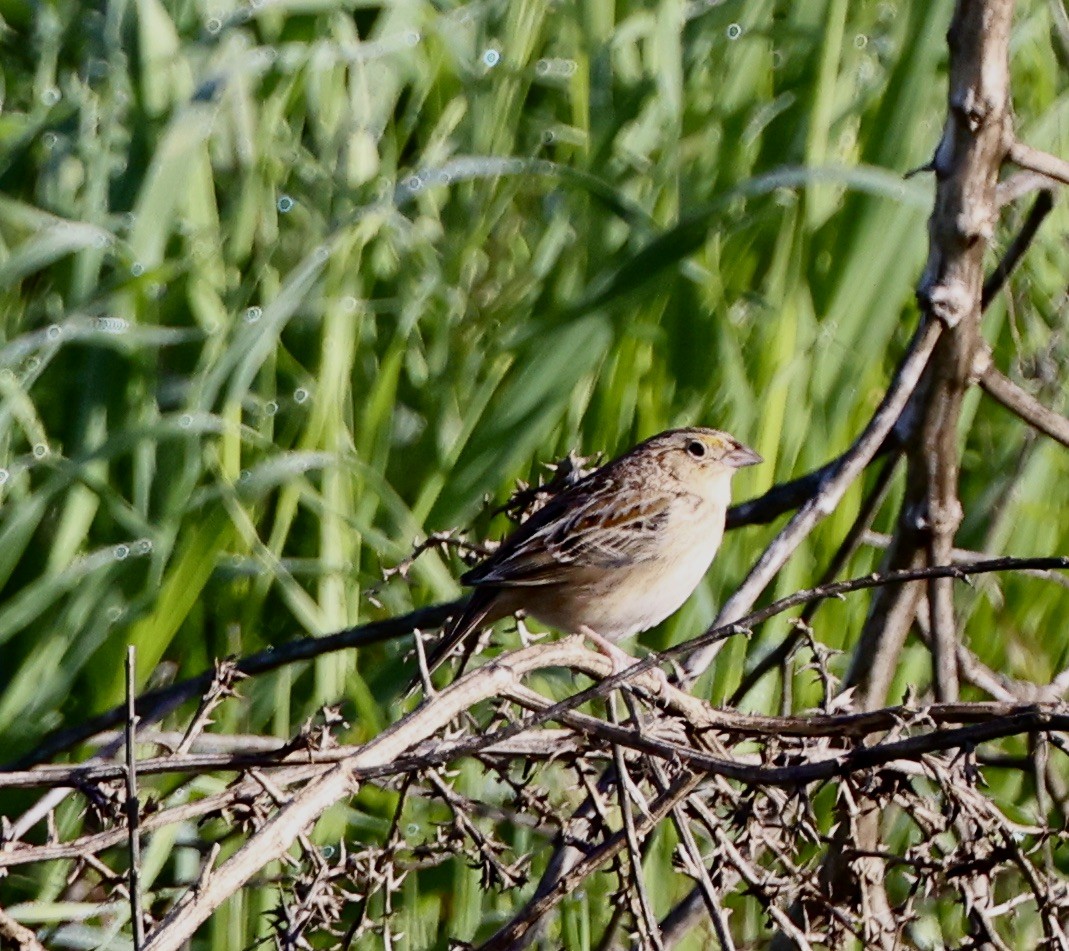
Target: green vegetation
{"points": [[286, 285]]}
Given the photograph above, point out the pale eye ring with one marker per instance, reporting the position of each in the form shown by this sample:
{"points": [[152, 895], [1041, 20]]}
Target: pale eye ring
{"points": [[696, 448]]}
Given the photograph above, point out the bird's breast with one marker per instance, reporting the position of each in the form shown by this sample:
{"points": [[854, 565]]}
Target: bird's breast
{"points": [[636, 596]]}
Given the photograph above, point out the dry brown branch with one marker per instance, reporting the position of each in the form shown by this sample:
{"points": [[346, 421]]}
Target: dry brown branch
{"points": [[521, 924], [406, 747], [779, 654], [964, 556], [1016, 186], [1023, 404], [155, 704], [847, 755], [988, 721], [1036, 160], [691, 859], [18, 937], [824, 500], [967, 162], [14, 853], [540, 744], [974, 142], [976, 138], [739, 787], [276, 836], [626, 791], [133, 806]]}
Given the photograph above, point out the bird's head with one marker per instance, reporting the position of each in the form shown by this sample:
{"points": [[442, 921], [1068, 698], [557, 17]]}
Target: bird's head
{"points": [[700, 456]]}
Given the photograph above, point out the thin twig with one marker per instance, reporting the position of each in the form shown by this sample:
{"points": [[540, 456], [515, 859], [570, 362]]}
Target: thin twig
{"points": [[849, 467], [270, 754], [512, 933], [1036, 160], [1018, 184], [156, 704], [779, 654], [696, 867], [21, 937], [752, 878], [421, 664], [645, 919], [221, 688], [692, 862], [1019, 401], [1014, 253], [133, 810], [967, 555], [16, 854], [689, 853], [721, 631]]}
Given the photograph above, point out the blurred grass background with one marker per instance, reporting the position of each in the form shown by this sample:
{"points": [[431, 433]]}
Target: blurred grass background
{"points": [[286, 285]]}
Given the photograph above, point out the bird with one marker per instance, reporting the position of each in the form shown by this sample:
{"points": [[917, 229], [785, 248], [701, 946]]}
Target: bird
{"points": [[614, 553]]}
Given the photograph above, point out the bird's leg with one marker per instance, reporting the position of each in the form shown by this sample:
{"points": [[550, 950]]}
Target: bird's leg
{"points": [[620, 658]]}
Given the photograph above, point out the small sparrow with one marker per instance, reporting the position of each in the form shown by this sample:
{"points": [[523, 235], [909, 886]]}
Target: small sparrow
{"points": [[616, 552]]}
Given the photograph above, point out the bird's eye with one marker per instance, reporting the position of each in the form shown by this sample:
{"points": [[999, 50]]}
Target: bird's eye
{"points": [[696, 449]]}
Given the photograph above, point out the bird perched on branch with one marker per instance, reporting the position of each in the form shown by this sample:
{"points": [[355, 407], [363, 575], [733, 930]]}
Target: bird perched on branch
{"points": [[616, 552]]}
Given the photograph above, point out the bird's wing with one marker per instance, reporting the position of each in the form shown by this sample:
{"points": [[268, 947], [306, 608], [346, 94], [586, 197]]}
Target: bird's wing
{"points": [[581, 528]]}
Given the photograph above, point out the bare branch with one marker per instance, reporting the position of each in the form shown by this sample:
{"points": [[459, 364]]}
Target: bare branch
{"points": [[996, 280], [133, 808], [1019, 401], [1036, 160], [156, 704], [847, 469], [512, 933], [779, 654], [976, 136], [625, 789], [540, 744], [1016, 186], [494, 679], [275, 837], [21, 937]]}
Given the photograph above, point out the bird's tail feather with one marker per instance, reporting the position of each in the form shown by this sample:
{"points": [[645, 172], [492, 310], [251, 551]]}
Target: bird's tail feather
{"points": [[479, 611]]}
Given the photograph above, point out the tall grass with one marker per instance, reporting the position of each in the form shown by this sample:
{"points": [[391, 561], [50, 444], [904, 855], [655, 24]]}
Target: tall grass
{"points": [[286, 285]]}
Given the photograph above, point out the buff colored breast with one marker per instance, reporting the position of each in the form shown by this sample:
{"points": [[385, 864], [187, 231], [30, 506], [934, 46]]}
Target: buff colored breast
{"points": [[633, 598]]}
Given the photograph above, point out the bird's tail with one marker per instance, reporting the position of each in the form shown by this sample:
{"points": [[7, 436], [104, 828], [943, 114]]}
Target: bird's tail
{"points": [[481, 609]]}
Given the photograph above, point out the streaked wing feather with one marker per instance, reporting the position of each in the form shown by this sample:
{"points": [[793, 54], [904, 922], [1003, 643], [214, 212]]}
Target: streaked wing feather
{"points": [[576, 529]]}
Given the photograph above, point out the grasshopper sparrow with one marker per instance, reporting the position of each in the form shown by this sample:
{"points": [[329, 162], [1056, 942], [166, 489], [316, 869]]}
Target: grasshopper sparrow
{"points": [[615, 553]]}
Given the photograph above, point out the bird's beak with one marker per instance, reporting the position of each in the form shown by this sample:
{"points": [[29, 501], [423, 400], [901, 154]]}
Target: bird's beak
{"points": [[742, 457]]}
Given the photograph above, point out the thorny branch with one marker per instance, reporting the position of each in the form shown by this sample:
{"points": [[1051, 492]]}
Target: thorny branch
{"points": [[953, 295], [693, 737], [738, 787]]}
